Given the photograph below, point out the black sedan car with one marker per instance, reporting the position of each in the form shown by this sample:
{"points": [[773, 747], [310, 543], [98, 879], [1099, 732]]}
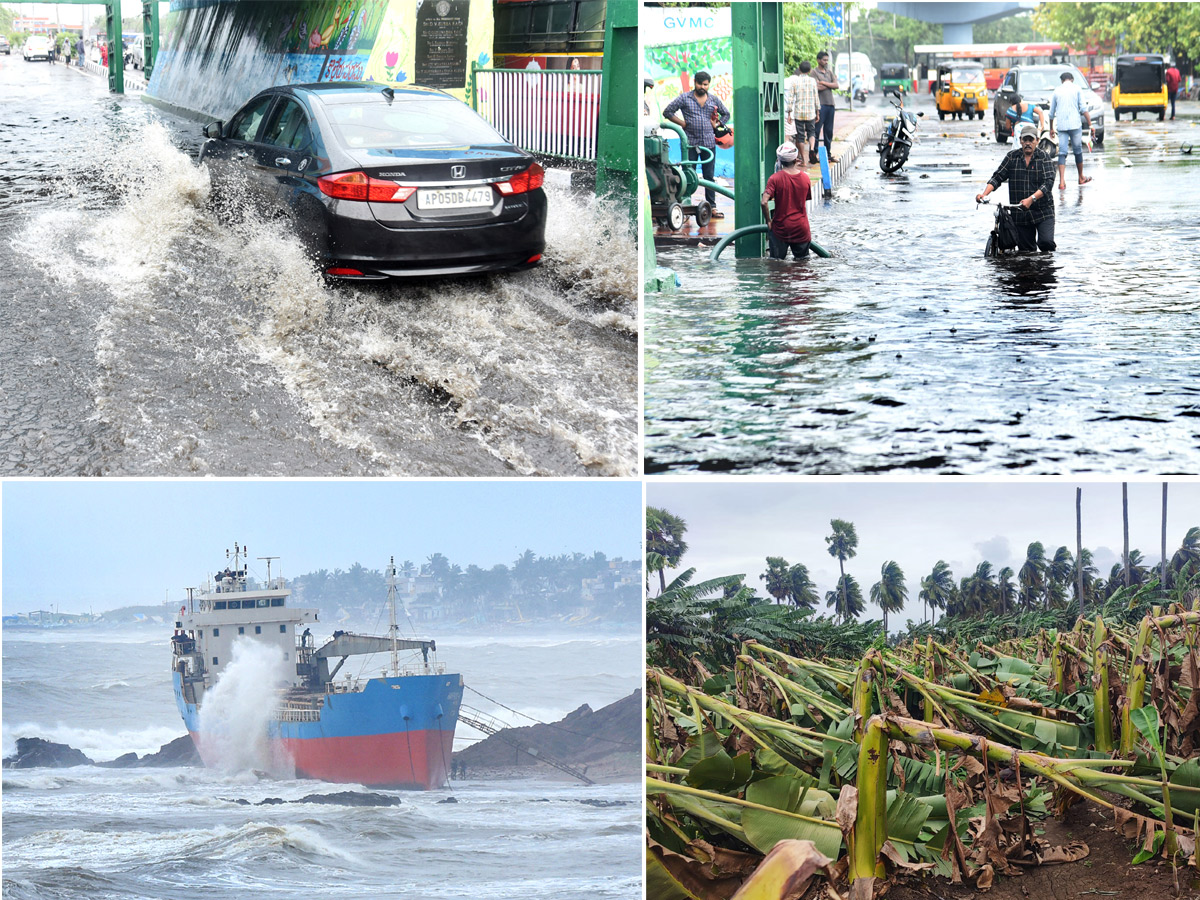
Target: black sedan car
{"points": [[384, 182]]}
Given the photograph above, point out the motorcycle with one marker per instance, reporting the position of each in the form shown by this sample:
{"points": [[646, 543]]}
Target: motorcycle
{"points": [[897, 140], [860, 95]]}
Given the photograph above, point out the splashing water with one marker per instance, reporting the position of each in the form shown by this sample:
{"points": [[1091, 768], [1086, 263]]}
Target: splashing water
{"points": [[216, 348], [235, 712]]}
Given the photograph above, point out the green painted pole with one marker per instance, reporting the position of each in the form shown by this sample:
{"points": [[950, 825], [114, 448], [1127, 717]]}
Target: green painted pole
{"points": [[149, 38], [757, 111], [620, 90], [116, 49]]}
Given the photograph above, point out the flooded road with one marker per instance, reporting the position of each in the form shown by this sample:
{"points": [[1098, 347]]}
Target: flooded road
{"points": [[142, 335], [911, 351]]}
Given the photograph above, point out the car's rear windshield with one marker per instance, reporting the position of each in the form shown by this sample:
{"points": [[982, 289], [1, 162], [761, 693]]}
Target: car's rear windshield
{"points": [[410, 124]]}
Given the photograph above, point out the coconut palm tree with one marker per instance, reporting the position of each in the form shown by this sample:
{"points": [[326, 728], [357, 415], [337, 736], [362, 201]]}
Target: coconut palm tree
{"points": [[979, 590], [1032, 576], [665, 545], [843, 545], [890, 592], [1006, 591], [937, 588], [802, 593], [1060, 572], [846, 599], [778, 578], [1187, 558]]}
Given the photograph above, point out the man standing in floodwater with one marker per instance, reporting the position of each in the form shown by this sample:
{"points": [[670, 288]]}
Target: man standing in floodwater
{"points": [[1067, 115], [790, 188], [1030, 176], [827, 83], [1172, 78], [697, 106]]}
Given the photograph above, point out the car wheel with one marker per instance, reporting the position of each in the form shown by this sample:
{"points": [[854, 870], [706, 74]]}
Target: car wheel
{"points": [[1162, 115], [941, 114], [1001, 137], [989, 249], [981, 115], [1116, 114]]}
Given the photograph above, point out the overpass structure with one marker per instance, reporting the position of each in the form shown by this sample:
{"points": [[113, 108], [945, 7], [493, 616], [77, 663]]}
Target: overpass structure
{"points": [[958, 19]]}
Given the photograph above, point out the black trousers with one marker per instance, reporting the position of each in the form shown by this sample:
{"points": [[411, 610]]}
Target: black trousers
{"points": [[1038, 236]]}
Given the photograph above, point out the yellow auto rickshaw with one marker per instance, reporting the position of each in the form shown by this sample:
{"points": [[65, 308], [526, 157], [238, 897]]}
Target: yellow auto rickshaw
{"points": [[961, 90], [1140, 86]]}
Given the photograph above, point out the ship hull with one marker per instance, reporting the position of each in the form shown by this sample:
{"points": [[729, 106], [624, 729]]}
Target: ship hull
{"points": [[395, 733]]}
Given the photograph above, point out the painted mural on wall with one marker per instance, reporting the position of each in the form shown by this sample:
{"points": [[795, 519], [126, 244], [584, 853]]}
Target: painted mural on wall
{"points": [[217, 54]]}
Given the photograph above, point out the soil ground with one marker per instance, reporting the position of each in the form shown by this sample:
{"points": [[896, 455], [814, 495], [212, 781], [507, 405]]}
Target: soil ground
{"points": [[1106, 872]]}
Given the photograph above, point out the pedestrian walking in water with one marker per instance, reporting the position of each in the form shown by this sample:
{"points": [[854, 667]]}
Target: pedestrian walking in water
{"points": [[50, 52], [1030, 176], [79, 51], [801, 101], [697, 107], [827, 83], [1068, 115], [789, 188], [1172, 78]]}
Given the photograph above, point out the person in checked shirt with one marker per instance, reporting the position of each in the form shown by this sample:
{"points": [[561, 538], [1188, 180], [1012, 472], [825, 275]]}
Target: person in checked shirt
{"points": [[697, 107], [800, 105], [1030, 176]]}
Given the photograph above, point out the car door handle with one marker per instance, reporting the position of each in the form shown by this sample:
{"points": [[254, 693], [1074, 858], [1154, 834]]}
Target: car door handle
{"points": [[282, 161]]}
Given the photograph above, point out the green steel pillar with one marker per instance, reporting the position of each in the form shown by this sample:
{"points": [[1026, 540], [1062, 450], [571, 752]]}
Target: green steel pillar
{"points": [[149, 38], [757, 111], [617, 139], [116, 48]]}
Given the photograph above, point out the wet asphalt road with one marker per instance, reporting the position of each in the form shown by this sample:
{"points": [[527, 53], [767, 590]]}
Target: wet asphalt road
{"points": [[909, 351], [143, 334]]}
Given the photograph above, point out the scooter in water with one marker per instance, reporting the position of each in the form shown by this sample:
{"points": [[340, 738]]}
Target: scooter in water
{"points": [[860, 95], [897, 139], [1002, 241]]}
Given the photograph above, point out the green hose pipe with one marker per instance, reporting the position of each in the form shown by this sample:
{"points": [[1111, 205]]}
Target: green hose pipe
{"points": [[757, 229]]}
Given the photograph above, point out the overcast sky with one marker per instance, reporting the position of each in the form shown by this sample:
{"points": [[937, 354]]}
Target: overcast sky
{"points": [[102, 544], [732, 528]]}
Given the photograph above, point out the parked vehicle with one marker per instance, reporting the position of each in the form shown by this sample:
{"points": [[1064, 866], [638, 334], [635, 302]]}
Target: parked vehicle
{"points": [[961, 90], [5, 46], [897, 140], [1036, 85], [1140, 86], [37, 46], [894, 78], [862, 68], [383, 182], [135, 53]]}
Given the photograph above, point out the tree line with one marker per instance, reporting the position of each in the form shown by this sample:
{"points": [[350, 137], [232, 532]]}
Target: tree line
{"points": [[716, 615]]}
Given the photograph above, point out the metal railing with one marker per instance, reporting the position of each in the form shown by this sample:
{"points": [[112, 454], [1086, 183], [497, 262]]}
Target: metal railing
{"points": [[553, 113], [291, 714]]}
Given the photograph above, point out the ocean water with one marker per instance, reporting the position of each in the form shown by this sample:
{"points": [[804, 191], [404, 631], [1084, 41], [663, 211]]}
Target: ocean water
{"points": [[96, 833]]}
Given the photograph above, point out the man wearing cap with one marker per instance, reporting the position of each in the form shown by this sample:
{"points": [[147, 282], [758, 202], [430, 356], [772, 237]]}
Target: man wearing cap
{"points": [[1030, 176], [698, 107], [789, 188], [1067, 115]]}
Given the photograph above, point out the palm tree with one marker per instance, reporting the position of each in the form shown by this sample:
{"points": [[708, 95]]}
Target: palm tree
{"points": [[665, 545], [1006, 591], [1032, 576], [777, 577], [843, 544], [979, 590], [1060, 572], [1187, 558], [802, 593], [1093, 584], [890, 592], [846, 600], [937, 588]]}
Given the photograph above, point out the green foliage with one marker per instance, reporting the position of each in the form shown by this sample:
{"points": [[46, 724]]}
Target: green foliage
{"points": [[800, 38], [1009, 30], [1136, 27]]}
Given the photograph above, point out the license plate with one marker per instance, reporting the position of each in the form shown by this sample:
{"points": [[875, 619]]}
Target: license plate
{"points": [[454, 198]]}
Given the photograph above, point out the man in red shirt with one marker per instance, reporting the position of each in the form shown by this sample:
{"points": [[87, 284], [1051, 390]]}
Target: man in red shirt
{"points": [[1172, 78], [790, 189]]}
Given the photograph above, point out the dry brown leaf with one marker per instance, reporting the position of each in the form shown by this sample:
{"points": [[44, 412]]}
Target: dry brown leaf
{"points": [[785, 872], [862, 889], [1063, 853], [898, 859], [847, 810], [984, 878], [696, 876]]}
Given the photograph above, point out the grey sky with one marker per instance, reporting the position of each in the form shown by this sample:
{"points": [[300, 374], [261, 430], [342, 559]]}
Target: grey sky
{"points": [[103, 544], [733, 527]]}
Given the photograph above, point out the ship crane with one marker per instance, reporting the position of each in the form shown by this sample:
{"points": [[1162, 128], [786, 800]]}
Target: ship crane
{"points": [[480, 721]]}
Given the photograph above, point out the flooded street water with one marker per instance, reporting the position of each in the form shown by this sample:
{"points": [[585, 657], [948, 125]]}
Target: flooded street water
{"points": [[910, 351], [142, 335]]}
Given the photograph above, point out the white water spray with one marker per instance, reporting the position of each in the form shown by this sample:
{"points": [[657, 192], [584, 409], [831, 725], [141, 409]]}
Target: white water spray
{"points": [[235, 713]]}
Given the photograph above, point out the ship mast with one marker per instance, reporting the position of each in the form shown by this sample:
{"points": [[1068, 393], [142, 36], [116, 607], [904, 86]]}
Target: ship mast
{"points": [[391, 585]]}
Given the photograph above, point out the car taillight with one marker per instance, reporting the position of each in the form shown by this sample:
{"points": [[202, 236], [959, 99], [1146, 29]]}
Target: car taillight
{"points": [[361, 186], [529, 180], [339, 270]]}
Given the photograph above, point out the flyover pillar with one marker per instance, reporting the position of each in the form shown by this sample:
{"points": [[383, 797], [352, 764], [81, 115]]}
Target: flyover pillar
{"points": [[757, 33]]}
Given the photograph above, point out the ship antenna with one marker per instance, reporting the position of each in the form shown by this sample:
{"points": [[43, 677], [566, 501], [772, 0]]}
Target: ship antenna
{"points": [[391, 585], [268, 559]]}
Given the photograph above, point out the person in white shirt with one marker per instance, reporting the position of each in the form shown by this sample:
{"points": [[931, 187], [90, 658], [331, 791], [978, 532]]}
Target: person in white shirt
{"points": [[1068, 113]]}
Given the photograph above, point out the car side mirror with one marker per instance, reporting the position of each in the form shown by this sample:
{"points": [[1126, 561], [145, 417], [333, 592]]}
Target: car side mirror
{"points": [[213, 129]]}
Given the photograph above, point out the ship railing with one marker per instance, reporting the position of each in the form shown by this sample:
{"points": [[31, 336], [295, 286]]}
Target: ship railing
{"points": [[349, 686], [287, 714]]}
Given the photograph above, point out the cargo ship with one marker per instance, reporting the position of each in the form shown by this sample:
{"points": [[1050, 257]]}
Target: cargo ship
{"points": [[395, 730]]}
